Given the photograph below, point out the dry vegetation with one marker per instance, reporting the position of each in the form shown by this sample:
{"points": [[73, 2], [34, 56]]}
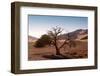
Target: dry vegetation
{"points": [[48, 52]]}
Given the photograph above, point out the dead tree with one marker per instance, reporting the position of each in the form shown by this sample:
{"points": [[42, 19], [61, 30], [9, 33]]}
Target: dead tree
{"points": [[54, 34]]}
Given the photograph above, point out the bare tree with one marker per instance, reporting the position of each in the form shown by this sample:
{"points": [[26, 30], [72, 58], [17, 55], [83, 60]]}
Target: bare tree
{"points": [[54, 34]]}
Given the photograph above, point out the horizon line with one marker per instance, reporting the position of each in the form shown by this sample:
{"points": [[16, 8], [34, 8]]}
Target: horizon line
{"points": [[63, 33]]}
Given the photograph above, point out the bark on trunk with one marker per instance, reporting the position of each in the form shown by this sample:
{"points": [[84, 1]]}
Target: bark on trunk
{"points": [[57, 51]]}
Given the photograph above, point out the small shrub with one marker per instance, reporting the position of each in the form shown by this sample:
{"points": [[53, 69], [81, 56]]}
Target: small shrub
{"points": [[39, 43], [44, 40]]}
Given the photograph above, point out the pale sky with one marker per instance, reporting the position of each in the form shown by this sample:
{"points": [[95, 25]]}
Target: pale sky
{"points": [[39, 24]]}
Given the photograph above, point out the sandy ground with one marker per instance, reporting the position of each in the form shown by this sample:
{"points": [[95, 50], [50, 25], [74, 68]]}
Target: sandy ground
{"points": [[48, 52]]}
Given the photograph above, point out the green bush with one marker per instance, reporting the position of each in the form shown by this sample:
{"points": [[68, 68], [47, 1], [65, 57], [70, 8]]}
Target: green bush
{"points": [[39, 43], [44, 40]]}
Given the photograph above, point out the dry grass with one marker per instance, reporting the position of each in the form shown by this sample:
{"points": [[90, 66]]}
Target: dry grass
{"points": [[48, 52]]}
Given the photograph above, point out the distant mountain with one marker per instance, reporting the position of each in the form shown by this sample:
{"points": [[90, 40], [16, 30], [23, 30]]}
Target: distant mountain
{"points": [[76, 35], [84, 37], [32, 39]]}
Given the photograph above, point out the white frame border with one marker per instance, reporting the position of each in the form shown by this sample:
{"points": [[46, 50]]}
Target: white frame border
{"points": [[25, 64]]}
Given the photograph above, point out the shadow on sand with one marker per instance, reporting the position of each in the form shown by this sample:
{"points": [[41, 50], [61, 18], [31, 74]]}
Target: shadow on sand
{"points": [[56, 56]]}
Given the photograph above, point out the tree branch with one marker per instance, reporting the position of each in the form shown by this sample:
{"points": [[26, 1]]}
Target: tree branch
{"points": [[63, 44]]}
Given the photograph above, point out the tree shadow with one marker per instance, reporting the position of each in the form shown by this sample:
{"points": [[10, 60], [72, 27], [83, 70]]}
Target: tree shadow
{"points": [[52, 56], [74, 55]]}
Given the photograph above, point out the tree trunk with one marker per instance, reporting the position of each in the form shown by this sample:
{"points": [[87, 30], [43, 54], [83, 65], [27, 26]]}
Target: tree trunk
{"points": [[57, 51], [56, 46]]}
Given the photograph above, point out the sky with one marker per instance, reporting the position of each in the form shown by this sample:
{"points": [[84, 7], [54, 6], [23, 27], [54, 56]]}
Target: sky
{"points": [[40, 24]]}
